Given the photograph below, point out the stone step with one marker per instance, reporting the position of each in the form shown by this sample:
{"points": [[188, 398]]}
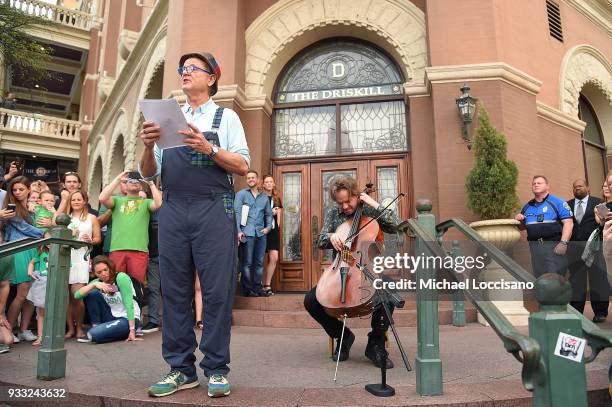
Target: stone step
{"points": [[301, 319], [295, 302]]}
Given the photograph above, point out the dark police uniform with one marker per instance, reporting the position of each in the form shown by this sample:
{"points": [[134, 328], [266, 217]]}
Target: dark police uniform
{"points": [[543, 221]]}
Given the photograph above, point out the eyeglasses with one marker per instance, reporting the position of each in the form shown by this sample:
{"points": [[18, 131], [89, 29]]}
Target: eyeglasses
{"points": [[182, 70]]}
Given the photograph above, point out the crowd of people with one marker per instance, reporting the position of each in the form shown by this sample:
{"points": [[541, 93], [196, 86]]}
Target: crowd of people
{"points": [[186, 250], [565, 238], [121, 274]]}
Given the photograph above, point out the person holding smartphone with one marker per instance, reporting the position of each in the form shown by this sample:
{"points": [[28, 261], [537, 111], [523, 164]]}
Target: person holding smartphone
{"points": [[129, 245], [18, 225], [12, 173], [113, 313]]}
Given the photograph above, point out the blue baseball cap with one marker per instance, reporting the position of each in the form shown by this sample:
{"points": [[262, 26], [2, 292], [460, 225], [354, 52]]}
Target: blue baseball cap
{"points": [[210, 61]]}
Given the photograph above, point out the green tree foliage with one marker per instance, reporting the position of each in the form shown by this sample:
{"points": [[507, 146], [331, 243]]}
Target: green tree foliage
{"points": [[491, 184], [19, 51]]}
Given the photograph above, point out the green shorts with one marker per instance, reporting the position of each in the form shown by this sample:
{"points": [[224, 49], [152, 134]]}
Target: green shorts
{"points": [[7, 268]]}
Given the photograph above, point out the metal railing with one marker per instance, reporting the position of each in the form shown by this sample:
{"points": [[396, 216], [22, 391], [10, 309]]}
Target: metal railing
{"points": [[34, 123], [543, 373], [60, 15], [52, 354]]}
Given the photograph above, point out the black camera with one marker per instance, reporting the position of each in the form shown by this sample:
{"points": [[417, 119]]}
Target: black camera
{"points": [[134, 175]]}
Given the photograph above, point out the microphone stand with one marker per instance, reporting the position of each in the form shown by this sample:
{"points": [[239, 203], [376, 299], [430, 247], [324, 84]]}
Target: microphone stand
{"points": [[385, 298]]}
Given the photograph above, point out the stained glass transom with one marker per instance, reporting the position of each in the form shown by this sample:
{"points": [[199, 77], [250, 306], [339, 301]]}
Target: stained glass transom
{"points": [[339, 64], [329, 73], [305, 131], [373, 127]]}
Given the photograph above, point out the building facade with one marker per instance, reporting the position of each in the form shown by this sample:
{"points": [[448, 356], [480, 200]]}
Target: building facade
{"points": [[362, 87], [41, 128]]}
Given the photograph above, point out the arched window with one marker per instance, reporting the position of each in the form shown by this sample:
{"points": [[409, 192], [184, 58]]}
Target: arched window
{"points": [[339, 97], [594, 147]]}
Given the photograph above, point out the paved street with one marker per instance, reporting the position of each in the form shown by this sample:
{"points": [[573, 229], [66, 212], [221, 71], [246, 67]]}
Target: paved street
{"points": [[291, 367]]}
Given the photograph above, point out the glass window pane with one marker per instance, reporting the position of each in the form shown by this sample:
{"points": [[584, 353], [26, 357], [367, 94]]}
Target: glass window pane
{"points": [[292, 219], [338, 64], [328, 203], [595, 168], [305, 131], [591, 131], [387, 182], [372, 127]]}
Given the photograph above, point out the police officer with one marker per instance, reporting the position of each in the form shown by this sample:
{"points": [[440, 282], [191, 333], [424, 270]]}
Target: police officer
{"points": [[549, 223], [197, 228]]}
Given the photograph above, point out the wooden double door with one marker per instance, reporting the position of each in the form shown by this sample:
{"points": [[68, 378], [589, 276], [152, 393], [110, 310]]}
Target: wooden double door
{"points": [[304, 189]]}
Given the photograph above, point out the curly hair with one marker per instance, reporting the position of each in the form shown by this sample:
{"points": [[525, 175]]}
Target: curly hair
{"points": [[343, 182]]}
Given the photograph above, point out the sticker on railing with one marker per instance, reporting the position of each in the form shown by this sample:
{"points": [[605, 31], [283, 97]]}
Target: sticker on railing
{"points": [[570, 347]]}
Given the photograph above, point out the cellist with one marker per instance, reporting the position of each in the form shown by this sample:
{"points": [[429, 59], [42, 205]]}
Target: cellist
{"points": [[345, 193]]}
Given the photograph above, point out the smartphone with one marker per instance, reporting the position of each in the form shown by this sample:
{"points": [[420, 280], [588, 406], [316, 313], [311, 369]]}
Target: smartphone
{"points": [[603, 211], [113, 288], [134, 175], [19, 164], [11, 207]]}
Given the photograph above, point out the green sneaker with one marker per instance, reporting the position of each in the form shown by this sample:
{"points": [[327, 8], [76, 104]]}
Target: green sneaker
{"points": [[173, 382], [218, 386], [3, 348]]}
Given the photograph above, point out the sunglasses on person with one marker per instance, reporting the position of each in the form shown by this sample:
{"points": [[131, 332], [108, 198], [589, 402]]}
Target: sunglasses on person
{"points": [[190, 69]]}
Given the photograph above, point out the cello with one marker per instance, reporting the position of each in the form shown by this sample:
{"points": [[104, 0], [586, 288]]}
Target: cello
{"points": [[342, 290]]}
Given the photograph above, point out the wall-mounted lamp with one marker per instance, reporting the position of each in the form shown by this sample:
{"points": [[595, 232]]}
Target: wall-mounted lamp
{"points": [[466, 105]]}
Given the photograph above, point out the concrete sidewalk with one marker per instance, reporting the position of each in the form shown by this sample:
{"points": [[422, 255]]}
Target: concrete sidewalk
{"points": [[291, 367]]}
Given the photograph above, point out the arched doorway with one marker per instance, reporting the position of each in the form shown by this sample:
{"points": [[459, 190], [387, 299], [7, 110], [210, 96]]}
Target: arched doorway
{"points": [[95, 186], [593, 146], [338, 109], [117, 158], [154, 90]]}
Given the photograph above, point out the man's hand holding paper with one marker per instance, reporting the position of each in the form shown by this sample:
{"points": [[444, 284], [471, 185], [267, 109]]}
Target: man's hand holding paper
{"points": [[196, 140], [164, 121], [150, 134]]}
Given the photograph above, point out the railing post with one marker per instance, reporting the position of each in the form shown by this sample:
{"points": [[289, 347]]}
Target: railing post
{"points": [[52, 354], [564, 381], [459, 318], [428, 363]]}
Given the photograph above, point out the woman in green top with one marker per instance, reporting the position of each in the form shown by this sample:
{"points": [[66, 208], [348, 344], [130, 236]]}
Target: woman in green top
{"points": [[112, 310]]}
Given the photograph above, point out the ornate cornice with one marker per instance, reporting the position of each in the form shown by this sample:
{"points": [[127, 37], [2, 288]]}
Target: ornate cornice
{"points": [[153, 30], [560, 118], [105, 86], [288, 25], [235, 94], [583, 64], [484, 72], [599, 12]]}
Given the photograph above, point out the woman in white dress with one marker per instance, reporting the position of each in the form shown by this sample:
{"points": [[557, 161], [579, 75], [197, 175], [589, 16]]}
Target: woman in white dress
{"points": [[85, 227]]}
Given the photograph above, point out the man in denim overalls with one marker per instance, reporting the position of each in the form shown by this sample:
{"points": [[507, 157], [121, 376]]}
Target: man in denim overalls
{"points": [[197, 228]]}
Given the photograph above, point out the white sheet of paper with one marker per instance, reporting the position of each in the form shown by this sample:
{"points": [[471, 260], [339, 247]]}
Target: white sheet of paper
{"points": [[244, 216], [167, 114]]}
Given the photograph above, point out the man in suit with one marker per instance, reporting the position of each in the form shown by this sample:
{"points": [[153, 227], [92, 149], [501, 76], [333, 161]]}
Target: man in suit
{"points": [[583, 207]]}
